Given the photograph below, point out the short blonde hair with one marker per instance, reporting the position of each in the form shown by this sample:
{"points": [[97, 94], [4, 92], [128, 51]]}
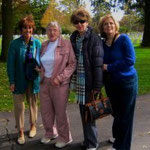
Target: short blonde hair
{"points": [[101, 23], [80, 14]]}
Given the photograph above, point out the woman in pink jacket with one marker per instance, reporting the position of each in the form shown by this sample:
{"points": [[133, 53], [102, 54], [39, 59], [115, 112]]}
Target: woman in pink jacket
{"points": [[58, 63]]}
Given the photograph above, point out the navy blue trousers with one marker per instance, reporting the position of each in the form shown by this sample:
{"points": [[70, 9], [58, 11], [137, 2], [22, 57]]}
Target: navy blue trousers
{"points": [[123, 98], [89, 129]]}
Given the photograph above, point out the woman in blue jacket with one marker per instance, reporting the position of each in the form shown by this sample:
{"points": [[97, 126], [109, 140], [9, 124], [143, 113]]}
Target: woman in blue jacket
{"points": [[24, 80], [120, 79]]}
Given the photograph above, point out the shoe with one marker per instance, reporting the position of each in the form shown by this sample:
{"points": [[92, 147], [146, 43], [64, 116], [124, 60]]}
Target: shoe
{"points": [[32, 132], [21, 140], [91, 149], [82, 144], [62, 144], [46, 140], [111, 140]]}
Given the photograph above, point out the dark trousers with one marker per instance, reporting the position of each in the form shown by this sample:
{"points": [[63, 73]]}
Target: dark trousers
{"points": [[123, 97], [89, 129]]}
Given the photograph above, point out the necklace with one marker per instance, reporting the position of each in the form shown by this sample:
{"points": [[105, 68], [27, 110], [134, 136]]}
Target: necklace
{"points": [[111, 42], [108, 43]]}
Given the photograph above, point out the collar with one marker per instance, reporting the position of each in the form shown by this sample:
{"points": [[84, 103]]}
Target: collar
{"points": [[86, 34], [31, 39], [45, 44]]}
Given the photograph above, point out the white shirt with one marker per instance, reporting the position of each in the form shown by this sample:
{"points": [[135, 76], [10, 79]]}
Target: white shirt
{"points": [[47, 59]]}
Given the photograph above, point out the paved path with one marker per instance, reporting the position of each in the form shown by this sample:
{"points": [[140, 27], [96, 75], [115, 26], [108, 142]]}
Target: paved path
{"points": [[141, 134]]}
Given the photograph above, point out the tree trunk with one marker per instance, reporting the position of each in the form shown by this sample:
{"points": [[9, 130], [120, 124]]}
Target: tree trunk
{"points": [[146, 35], [7, 28]]}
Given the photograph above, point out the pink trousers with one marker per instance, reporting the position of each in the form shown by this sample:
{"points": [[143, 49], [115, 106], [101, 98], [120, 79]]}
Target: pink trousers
{"points": [[53, 102]]}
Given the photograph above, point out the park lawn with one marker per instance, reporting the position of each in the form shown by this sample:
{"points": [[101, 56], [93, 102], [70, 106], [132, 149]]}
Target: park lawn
{"points": [[143, 69], [142, 65], [5, 95]]}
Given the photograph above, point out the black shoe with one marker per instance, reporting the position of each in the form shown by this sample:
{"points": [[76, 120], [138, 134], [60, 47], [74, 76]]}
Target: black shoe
{"points": [[111, 140], [83, 145]]}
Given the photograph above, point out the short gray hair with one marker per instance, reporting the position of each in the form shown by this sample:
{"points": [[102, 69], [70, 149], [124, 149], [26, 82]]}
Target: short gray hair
{"points": [[54, 23]]}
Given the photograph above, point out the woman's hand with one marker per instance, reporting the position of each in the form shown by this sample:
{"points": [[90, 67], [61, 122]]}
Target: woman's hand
{"points": [[37, 69], [12, 87], [104, 67], [56, 82]]}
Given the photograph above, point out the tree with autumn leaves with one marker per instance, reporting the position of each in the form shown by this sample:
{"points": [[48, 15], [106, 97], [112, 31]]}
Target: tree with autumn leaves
{"points": [[61, 13], [135, 5], [13, 10], [45, 11], [52, 13]]}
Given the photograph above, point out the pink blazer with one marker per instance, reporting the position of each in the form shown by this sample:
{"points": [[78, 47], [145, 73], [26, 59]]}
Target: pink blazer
{"points": [[64, 61]]}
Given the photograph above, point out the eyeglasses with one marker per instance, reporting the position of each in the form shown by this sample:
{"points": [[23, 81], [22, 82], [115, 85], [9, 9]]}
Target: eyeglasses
{"points": [[79, 21]]}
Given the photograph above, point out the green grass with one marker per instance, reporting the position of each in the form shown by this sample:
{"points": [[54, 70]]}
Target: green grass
{"points": [[143, 69], [5, 95]]}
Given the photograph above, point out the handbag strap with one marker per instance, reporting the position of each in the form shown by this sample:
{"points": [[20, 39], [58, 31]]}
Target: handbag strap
{"points": [[98, 97], [94, 97]]}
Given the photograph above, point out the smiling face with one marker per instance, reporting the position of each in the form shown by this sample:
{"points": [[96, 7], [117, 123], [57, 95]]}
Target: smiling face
{"points": [[81, 26], [27, 32], [109, 27], [53, 32]]}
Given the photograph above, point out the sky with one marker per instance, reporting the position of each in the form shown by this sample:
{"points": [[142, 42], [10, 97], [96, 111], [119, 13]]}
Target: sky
{"points": [[117, 15]]}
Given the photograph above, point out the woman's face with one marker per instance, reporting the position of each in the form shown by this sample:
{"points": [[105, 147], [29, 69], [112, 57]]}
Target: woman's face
{"points": [[109, 26], [53, 33], [81, 26], [27, 32]]}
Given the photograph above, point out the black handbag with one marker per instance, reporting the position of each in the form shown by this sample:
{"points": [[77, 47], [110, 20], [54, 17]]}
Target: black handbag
{"points": [[30, 64], [30, 72], [97, 108]]}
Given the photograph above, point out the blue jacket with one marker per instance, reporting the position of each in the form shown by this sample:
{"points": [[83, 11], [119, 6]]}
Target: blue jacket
{"points": [[120, 58], [15, 65]]}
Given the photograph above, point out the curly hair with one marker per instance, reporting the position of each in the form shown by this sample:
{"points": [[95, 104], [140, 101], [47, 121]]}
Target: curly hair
{"points": [[26, 21], [80, 14]]}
